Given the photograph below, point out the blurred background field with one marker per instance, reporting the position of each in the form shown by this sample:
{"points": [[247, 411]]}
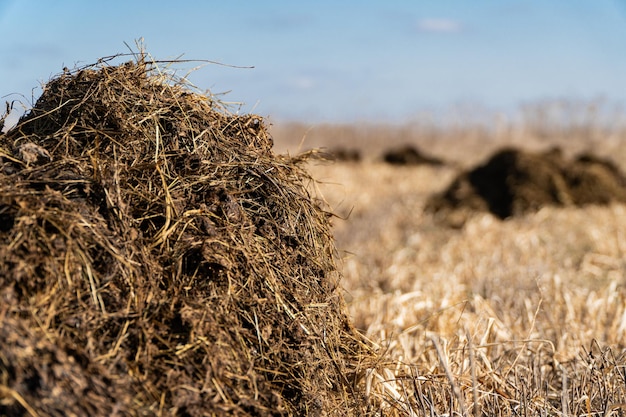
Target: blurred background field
{"points": [[531, 295]]}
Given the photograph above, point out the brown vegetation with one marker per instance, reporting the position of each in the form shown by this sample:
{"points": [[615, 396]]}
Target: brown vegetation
{"points": [[159, 259]]}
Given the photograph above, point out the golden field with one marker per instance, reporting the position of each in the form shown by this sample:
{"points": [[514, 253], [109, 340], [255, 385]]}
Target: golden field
{"points": [[525, 316]]}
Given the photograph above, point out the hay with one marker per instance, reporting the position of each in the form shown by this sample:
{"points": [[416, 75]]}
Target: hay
{"points": [[514, 182], [160, 259]]}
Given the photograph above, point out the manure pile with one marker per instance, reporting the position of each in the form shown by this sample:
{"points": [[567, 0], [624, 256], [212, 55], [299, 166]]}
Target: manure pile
{"points": [[159, 259], [409, 155], [514, 182]]}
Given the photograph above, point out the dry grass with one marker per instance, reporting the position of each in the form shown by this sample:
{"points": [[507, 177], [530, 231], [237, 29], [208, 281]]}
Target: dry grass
{"points": [[519, 317]]}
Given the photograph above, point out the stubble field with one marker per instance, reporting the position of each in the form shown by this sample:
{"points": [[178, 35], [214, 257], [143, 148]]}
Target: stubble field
{"points": [[518, 317], [149, 271]]}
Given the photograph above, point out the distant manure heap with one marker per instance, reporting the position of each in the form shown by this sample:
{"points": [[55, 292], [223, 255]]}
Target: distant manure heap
{"points": [[159, 259], [409, 155], [514, 182]]}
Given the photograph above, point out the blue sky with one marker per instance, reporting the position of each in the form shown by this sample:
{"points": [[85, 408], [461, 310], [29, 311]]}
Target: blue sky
{"points": [[337, 61]]}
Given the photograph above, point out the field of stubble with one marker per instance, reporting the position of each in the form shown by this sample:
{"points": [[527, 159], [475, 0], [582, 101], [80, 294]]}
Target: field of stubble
{"points": [[519, 317]]}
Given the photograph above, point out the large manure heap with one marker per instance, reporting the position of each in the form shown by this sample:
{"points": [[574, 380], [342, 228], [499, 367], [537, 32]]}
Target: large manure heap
{"points": [[159, 259]]}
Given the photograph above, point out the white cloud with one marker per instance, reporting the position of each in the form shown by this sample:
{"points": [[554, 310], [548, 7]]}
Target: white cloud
{"points": [[439, 25], [301, 82]]}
